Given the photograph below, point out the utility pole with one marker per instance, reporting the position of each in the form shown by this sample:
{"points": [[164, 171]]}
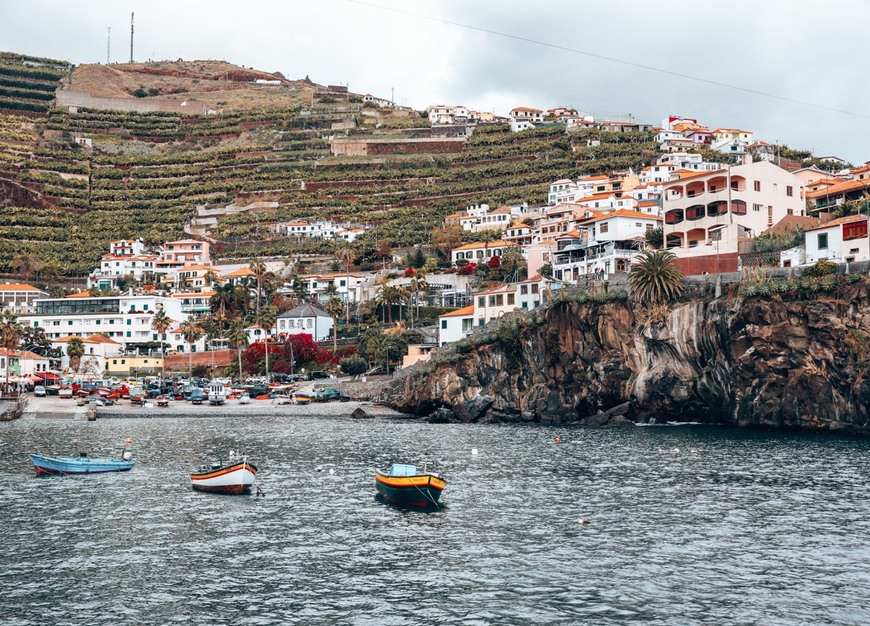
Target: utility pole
{"points": [[109, 47], [131, 37]]}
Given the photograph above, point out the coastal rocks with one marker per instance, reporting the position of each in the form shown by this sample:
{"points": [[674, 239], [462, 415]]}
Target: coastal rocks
{"points": [[798, 364], [442, 416], [359, 414]]}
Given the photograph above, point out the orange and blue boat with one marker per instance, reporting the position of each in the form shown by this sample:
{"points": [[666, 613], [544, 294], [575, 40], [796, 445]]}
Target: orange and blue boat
{"points": [[404, 485], [233, 478], [83, 463]]}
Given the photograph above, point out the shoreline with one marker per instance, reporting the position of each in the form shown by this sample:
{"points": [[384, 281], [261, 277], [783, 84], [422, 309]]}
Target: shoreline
{"points": [[53, 407]]}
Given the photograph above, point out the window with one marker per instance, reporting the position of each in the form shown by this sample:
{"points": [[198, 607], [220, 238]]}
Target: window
{"points": [[602, 228], [823, 241], [789, 190], [510, 298], [756, 185], [757, 208], [481, 301], [444, 324], [855, 230], [524, 289]]}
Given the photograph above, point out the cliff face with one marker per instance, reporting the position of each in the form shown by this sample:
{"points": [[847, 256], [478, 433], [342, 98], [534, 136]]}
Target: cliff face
{"points": [[789, 364]]}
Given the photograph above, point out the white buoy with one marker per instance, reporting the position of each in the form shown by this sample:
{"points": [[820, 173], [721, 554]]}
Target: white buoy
{"points": [[474, 451], [331, 471]]}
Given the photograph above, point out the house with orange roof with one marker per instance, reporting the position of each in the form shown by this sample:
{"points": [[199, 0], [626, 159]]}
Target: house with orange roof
{"points": [[843, 240], [707, 215], [177, 343], [195, 302], [812, 173], [97, 349], [237, 277], [348, 285], [602, 245], [455, 325], [446, 114], [126, 258], [500, 300], [526, 114], [831, 196], [177, 254], [19, 298], [518, 233], [480, 252]]}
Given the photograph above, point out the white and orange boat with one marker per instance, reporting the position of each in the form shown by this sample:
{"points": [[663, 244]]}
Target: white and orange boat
{"points": [[232, 478]]}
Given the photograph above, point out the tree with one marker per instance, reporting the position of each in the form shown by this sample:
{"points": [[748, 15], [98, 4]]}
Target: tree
{"points": [[238, 336], [346, 255], [384, 251], [161, 323], [75, 350], [353, 365], [266, 319], [655, 237], [444, 240], [11, 331], [334, 308], [258, 269], [655, 278], [191, 333]]}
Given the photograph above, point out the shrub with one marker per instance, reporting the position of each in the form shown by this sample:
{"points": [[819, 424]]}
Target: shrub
{"points": [[822, 267]]}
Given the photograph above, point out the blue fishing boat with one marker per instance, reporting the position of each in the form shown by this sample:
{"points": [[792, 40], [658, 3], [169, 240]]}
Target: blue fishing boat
{"points": [[83, 464]]}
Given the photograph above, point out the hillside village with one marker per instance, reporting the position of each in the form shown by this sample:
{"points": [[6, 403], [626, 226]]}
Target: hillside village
{"points": [[367, 215]]}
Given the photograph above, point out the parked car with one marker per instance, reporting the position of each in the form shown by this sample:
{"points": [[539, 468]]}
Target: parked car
{"points": [[39, 391], [196, 396], [318, 375]]}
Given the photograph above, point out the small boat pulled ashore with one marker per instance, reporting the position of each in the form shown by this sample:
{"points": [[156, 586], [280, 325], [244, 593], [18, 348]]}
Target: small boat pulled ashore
{"points": [[232, 478], [83, 464], [404, 485]]}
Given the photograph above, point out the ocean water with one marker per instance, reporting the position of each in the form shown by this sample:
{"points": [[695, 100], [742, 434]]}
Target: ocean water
{"points": [[686, 525]]}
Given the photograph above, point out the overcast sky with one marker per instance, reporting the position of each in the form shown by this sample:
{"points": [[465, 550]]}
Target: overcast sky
{"points": [[498, 54]]}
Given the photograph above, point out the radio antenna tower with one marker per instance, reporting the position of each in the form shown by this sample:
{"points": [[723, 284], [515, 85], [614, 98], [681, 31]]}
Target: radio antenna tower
{"points": [[131, 37], [109, 47]]}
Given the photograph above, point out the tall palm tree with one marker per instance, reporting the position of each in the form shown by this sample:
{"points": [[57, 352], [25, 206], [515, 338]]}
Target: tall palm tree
{"points": [[266, 319], [191, 333], [11, 332], [161, 323], [334, 308], [258, 268], [345, 254], [654, 277], [238, 336], [75, 350]]}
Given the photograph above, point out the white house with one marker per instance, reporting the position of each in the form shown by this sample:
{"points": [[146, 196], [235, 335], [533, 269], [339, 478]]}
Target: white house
{"points": [[20, 298], [455, 325], [97, 349], [480, 252], [124, 319], [307, 319], [706, 214], [840, 240]]}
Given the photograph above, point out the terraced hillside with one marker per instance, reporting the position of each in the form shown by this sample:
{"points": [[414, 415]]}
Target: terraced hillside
{"points": [[28, 84], [74, 180]]}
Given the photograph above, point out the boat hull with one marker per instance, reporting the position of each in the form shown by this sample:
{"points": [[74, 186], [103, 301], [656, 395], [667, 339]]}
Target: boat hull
{"points": [[421, 491], [233, 479], [50, 465]]}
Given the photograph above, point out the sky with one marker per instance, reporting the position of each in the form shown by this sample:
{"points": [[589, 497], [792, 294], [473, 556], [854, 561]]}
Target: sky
{"points": [[791, 71]]}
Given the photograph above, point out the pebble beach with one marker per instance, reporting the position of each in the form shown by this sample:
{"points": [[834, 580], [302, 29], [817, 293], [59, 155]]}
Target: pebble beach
{"points": [[65, 408]]}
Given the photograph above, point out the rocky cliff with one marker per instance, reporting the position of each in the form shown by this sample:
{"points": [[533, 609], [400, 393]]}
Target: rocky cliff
{"points": [[787, 362]]}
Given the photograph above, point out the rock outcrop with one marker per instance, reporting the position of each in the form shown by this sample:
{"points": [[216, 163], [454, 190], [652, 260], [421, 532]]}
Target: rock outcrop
{"points": [[775, 362]]}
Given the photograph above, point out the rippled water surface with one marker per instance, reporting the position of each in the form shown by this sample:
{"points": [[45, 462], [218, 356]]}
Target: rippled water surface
{"points": [[687, 525]]}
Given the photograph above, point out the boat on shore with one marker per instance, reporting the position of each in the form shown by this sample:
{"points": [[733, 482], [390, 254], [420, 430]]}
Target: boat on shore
{"points": [[83, 464], [404, 485], [303, 397], [234, 477]]}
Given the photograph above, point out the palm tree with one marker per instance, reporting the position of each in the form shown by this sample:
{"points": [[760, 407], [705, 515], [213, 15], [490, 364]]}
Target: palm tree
{"points": [[266, 319], [10, 336], [75, 350], [161, 323], [655, 278], [334, 308], [238, 336], [346, 255], [258, 268], [191, 333]]}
